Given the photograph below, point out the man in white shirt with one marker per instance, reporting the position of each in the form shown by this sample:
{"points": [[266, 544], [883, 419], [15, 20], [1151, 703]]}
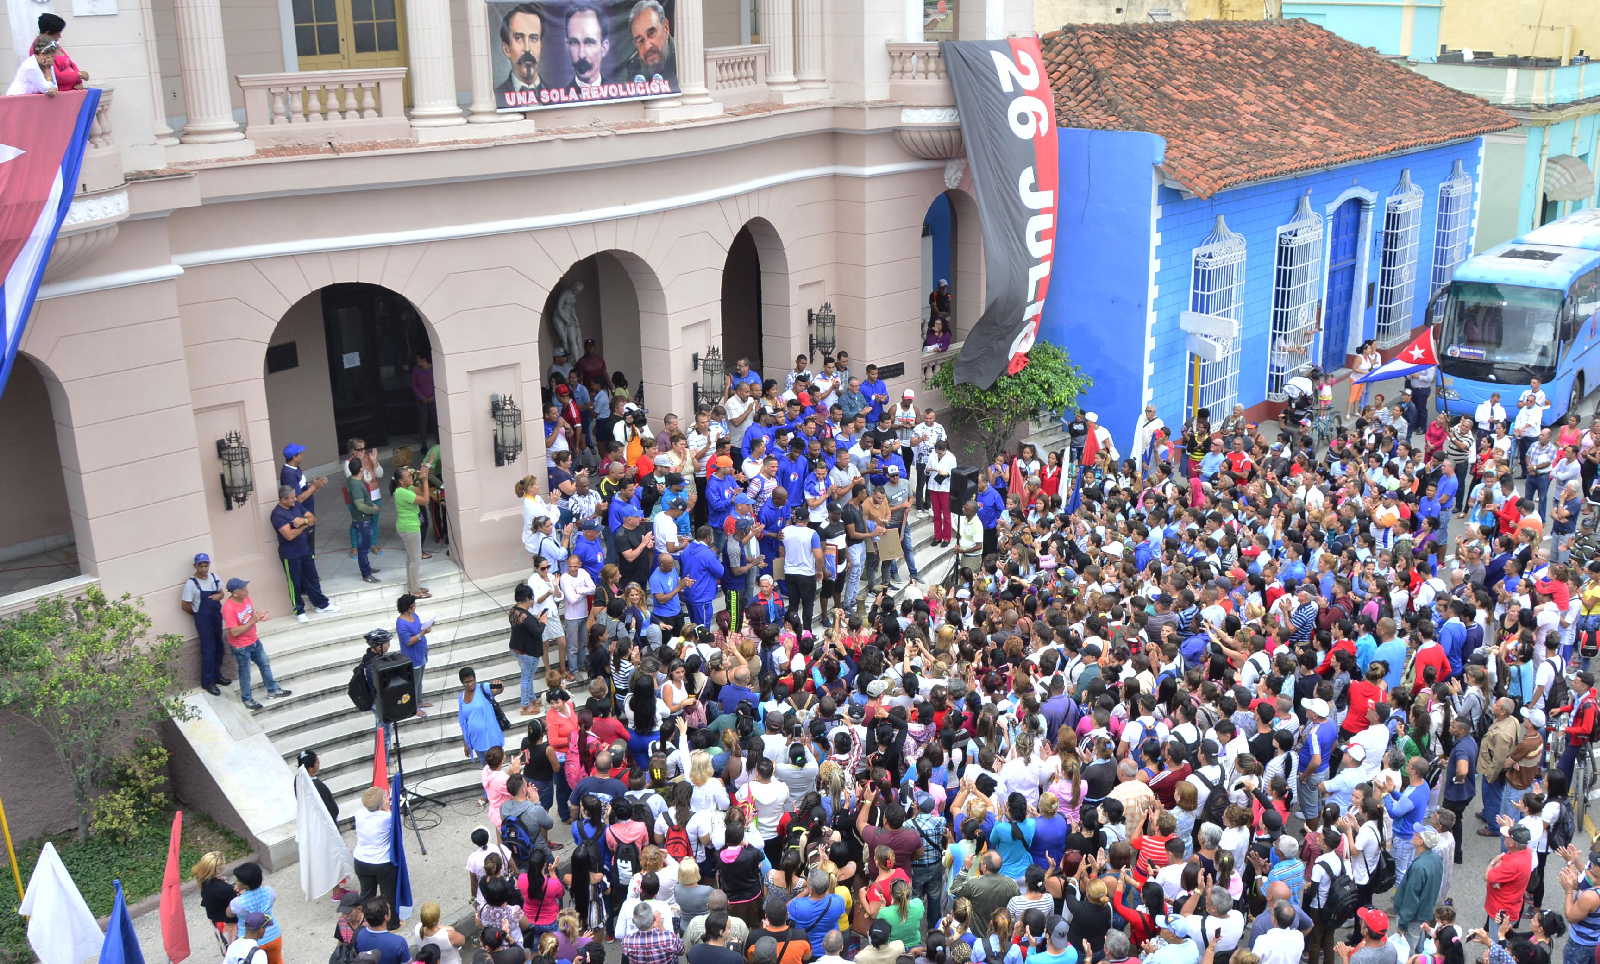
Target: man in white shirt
{"points": [[1488, 413], [802, 561], [941, 469], [741, 408], [924, 438], [1531, 406], [1282, 944], [665, 527], [1221, 922]]}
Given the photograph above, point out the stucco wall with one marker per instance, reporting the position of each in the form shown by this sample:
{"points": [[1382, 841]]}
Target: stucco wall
{"points": [[1550, 28], [300, 398], [1098, 303], [42, 803]]}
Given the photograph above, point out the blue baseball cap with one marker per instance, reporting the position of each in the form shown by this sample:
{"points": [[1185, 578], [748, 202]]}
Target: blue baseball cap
{"points": [[291, 450], [629, 511], [200, 557], [237, 583], [742, 499], [590, 523]]}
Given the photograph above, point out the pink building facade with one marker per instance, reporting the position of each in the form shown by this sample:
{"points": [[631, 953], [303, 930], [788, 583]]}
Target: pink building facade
{"points": [[239, 219]]}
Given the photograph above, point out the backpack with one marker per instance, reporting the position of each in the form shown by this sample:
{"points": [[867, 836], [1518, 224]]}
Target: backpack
{"points": [[343, 953], [1343, 897], [1565, 827], [586, 849], [626, 862], [677, 844], [360, 689], [1558, 694], [514, 835], [1381, 877], [1216, 801]]}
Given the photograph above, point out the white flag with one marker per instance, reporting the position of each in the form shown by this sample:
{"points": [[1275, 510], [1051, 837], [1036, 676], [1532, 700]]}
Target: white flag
{"points": [[61, 929], [324, 858]]}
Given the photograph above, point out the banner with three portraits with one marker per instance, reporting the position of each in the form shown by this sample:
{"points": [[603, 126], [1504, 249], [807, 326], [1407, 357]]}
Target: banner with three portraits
{"points": [[560, 53]]}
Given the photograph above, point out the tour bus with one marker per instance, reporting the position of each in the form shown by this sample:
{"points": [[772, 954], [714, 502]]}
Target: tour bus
{"points": [[1522, 310]]}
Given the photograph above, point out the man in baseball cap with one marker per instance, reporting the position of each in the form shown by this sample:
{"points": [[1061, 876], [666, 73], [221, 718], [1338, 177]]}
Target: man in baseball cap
{"points": [[201, 597]]}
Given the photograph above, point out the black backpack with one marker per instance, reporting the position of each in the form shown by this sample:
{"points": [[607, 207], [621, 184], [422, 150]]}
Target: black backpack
{"points": [[360, 688], [1565, 827], [1339, 906], [626, 862], [1216, 801], [1558, 695]]}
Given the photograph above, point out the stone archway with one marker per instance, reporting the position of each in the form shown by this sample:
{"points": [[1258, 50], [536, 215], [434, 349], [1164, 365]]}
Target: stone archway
{"points": [[952, 249], [756, 310], [345, 362], [40, 542], [621, 306]]}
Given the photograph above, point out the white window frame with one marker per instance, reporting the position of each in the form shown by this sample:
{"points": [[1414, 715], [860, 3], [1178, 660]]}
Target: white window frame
{"points": [[1397, 266], [1296, 282], [1452, 230], [1216, 287]]}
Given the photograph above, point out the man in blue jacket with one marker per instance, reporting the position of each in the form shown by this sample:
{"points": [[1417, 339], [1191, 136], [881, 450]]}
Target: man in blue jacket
{"points": [[991, 506], [590, 548], [792, 472], [1453, 637], [700, 563], [721, 489]]}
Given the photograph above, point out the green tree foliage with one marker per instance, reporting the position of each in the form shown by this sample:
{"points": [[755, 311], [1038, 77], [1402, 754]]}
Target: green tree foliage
{"points": [[1045, 388], [88, 673]]}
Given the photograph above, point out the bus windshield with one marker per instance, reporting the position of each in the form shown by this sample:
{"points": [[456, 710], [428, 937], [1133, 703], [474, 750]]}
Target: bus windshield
{"points": [[1500, 331]]}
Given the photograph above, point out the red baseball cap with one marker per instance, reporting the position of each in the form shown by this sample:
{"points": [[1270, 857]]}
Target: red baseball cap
{"points": [[1374, 918]]}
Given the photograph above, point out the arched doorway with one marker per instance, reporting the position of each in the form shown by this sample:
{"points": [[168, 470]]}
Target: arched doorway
{"points": [[952, 250], [615, 299], [756, 319], [741, 302], [357, 361], [38, 545]]}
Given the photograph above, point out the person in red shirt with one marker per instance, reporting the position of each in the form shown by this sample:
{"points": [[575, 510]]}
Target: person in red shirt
{"points": [[1239, 461], [1430, 653], [1508, 515], [69, 76], [1363, 695], [1507, 877]]}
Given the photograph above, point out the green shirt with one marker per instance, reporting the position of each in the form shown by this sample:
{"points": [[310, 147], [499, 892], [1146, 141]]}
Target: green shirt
{"points": [[908, 930], [406, 516]]}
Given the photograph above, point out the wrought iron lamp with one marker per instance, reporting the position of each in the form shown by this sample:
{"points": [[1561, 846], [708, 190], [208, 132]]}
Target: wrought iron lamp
{"points": [[824, 335], [237, 479], [708, 391], [507, 418]]}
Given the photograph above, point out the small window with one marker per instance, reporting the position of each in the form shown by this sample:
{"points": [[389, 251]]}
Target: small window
{"points": [[1397, 274], [1295, 274]]}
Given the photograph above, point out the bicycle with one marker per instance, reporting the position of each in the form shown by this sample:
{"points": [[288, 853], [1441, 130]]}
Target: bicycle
{"points": [[1584, 767]]}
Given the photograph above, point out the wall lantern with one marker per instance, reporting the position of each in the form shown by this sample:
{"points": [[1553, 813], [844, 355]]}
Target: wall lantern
{"points": [[507, 428], [237, 479], [823, 332], [708, 391]]}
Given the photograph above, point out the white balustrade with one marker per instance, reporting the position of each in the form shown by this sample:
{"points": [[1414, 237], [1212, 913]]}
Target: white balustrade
{"points": [[318, 106]]}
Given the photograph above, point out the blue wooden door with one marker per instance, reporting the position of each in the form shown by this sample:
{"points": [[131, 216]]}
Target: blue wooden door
{"points": [[1343, 247]]}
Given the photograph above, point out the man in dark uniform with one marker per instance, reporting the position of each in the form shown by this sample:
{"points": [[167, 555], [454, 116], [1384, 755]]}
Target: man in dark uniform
{"points": [[293, 524], [305, 490], [202, 599]]}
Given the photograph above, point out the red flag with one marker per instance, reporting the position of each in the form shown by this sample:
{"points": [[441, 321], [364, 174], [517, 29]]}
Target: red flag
{"points": [[174, 925], [380, 763], [1091, 444], [1016, 482]]}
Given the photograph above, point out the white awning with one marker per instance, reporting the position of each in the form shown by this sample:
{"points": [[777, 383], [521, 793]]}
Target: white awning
{"points": [[1567, 178]]}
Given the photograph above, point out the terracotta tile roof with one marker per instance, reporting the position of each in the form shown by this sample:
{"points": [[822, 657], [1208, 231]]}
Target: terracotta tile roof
{"points": [[1242, 101]]}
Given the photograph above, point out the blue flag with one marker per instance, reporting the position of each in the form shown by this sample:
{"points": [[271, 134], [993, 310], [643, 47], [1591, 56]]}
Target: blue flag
{"points": [[403, 901], [1076, 502], [122, 944]]}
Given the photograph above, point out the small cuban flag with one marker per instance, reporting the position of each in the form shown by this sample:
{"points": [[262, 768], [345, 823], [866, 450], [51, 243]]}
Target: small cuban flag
{"points": [[42, 140], [1413, 358]]}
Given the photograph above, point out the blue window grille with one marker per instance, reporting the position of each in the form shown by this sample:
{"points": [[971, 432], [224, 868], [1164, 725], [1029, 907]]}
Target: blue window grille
{"points": [[1397, 272], [1216, 287], [1452, 232], [1295, 274]]}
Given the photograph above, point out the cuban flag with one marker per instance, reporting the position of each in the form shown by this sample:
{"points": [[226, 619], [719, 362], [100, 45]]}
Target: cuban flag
{"points": [[42, 140], [403, 901], [1413, 358]]}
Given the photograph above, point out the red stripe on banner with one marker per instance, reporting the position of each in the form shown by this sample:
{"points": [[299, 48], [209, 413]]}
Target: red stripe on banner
{"points": [[1040, 233], [41, 128]]}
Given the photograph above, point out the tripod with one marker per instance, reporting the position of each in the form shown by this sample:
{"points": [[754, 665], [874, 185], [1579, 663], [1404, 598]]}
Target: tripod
{"points": [[410, 799]]}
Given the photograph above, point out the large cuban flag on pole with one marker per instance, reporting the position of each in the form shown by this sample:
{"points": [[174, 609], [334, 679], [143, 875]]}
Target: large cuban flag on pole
{"points": [[1413, 358], [42, 140]]}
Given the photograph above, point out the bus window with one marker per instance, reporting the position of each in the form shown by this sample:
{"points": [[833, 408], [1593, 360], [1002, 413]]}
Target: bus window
{"points": [[1585, 297]]}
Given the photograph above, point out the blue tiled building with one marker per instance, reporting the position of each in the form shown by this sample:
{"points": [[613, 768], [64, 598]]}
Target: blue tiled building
{"points": [[1244, 200]]}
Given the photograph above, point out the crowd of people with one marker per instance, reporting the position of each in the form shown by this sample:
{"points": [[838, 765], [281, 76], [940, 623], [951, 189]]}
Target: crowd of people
{"points": [[1236, 700]]}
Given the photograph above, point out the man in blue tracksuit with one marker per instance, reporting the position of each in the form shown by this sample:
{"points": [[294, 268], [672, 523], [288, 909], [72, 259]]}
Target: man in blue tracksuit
{"points": [[991, 505], [1409, 810], [699, 562], [721, 489], [792, 472]]}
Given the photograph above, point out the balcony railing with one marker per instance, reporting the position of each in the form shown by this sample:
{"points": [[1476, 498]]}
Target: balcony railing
{"points": [[737, 74], [319, 106], [917, 75]]}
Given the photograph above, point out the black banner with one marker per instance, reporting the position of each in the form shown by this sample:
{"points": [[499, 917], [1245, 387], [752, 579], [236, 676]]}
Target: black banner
{"points": [[1008, 123]]}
